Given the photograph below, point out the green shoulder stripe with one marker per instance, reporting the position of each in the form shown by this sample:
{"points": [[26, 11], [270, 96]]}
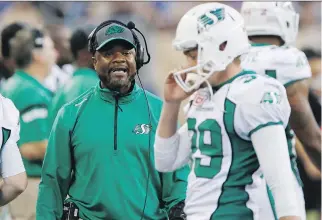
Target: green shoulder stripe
{"points": [[264, 125]]}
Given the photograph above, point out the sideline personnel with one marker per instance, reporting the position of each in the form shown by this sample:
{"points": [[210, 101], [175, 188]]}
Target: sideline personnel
{"points": [[100, 150]]}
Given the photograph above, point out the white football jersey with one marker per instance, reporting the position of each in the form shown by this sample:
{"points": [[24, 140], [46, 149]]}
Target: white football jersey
{"points": [[225, 181], [287, 64], [10, 157]]}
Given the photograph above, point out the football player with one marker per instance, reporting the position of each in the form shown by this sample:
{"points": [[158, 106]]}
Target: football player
{"points": [[11, 165], [235, 124], [272, 27]]}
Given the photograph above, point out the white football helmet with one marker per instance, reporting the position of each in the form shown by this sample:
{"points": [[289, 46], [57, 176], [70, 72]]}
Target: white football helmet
{"points": [[187, 29], [216, 24], [271, 18]]}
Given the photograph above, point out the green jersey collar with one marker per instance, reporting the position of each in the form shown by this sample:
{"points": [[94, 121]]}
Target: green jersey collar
{"points": [[109, 95], [84, 71], [243, 72], [32, 80]]}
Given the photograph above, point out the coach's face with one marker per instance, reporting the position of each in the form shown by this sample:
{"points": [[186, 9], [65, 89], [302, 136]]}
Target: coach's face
{"points": [[116, 66]]}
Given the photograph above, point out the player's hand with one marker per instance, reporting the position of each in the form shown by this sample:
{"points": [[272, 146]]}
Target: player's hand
{"points": [[173, 93]]}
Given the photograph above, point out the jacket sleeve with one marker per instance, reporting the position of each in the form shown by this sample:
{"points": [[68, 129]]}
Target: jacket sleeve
{"points": [[56, 170], [174, 186]]}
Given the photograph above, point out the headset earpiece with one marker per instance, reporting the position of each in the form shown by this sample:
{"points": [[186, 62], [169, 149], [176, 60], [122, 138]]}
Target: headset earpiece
{"points": [[90, 39], [139, 52]]}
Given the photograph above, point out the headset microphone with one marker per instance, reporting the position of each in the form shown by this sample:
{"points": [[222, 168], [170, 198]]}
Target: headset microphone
{"points": [[131, 26]]}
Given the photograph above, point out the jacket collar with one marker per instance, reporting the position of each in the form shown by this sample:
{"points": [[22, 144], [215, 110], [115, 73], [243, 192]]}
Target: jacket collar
{"points": [[110, 96]]}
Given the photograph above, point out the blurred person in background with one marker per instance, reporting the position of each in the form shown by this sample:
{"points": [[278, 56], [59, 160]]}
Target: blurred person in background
{"points": [[7, 64], [63, 68], [101, 144], [83, 78], [272, 28], [311, 178], [34, 54]]}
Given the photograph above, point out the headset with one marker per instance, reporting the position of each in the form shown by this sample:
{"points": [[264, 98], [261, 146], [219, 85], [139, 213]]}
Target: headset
{"points": [[38, 37], [139, 59]]}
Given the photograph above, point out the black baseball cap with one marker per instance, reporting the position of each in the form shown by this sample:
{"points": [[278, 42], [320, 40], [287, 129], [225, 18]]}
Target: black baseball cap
{"points": [[112, 33]]}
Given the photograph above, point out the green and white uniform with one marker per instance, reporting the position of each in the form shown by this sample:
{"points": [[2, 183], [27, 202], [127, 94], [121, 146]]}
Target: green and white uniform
{"points": [[10, 159], [225, 182], [288, 65]]}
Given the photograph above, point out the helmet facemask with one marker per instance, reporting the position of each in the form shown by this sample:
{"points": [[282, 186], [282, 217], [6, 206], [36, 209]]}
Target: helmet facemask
{"points": [[220, 41]]}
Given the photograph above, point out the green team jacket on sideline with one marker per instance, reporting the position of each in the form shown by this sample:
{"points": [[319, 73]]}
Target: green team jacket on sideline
{"points": [[82, 80], [105, 143], [32, 100]]}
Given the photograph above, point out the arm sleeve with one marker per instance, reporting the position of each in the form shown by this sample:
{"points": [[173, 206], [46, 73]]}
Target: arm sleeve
{"points": [[268, 106], [11, 161], [34, 124], [56, 170], [271, 149], [174, 186], [174, 152]]}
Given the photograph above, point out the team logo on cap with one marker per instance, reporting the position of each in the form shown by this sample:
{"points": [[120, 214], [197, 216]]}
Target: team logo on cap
{"points": [[114, 30]]}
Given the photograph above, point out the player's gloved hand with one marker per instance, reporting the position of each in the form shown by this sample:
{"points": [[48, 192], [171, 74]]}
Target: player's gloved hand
{"points": [[176, 212]]}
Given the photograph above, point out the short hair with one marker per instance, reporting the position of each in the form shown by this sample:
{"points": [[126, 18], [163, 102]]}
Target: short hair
{"points": [[79, 39], [7, 34], [22, 46]]}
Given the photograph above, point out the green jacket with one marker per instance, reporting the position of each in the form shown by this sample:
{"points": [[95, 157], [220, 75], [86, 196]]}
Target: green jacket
{"points": [[82, 80], [100, 153], [32, 100]]}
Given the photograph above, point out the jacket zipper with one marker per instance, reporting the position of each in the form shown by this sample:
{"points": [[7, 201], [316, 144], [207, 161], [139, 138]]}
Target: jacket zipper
{"points": [[115, 121]]}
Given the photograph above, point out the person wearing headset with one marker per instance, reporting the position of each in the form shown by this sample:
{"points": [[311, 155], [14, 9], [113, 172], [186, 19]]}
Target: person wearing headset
{"points": [[100, 150]]}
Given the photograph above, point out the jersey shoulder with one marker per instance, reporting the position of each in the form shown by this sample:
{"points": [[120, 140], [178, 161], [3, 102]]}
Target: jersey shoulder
{"points": [[9, 114], [252, 88], [291, 65], [259, 101], [287, 64]]}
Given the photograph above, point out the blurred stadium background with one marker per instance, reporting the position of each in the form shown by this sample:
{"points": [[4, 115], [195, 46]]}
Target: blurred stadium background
{"points": [[157, 20]]}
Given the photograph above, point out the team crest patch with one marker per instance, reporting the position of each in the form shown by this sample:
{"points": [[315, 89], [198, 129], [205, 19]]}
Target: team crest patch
{"points": [[142, 129], [211, 17], [271, 98], [114, 30]]}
